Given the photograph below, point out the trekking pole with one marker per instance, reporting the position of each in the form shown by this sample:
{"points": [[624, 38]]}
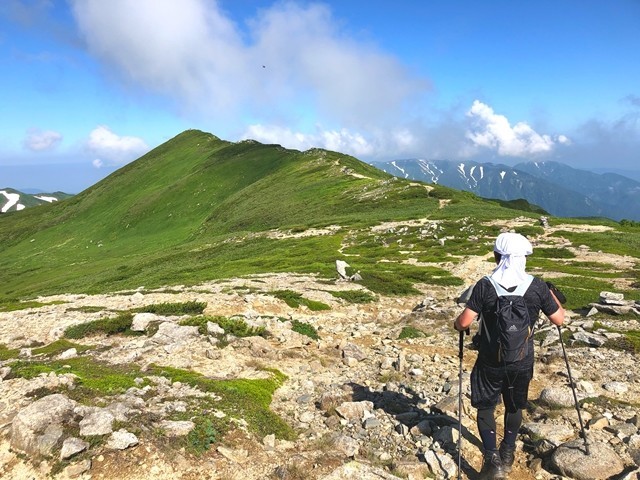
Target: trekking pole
{"points": [[460, 354], [573, 389]]}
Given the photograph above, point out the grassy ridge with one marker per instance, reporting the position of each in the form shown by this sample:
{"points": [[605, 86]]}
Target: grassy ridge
{"points": [[197, 208]]}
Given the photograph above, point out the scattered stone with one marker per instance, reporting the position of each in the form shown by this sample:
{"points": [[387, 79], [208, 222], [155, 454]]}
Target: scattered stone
{"points": [[121, 440], [214, 329], [237, 456], [441, 464], [555, 434], [177, 428], [598, 423], [269, 441], [557, 396], [70, 353], [616, 387], [351, 350], [413, 470], [355, 411], [358, 471], [97, 423], [77, 469], [346, 445], [341, 268], [610, 298], [142, 320], [589, 338], [72, 446], [137, 297]]}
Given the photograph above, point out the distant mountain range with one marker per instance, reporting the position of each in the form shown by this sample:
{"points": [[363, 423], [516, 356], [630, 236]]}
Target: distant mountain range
{"points": [[557, 188], [13, 200]]}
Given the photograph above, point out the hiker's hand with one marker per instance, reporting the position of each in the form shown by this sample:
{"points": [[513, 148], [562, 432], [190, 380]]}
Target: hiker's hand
{"points": [[559, 295], [459, 329]]}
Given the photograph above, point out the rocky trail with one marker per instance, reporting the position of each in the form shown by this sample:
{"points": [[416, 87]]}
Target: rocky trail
{"points": [[362, 402]]}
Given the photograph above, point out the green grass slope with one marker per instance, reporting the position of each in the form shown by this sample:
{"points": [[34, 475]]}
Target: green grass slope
{"points": [[193, 208]]}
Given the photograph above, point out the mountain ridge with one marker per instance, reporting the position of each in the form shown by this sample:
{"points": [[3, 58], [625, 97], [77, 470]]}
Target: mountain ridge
{"points": [[558, 188], [12, 200]]}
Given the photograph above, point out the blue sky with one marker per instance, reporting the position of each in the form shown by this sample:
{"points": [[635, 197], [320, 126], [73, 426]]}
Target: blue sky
{"points": [[89, 85]]}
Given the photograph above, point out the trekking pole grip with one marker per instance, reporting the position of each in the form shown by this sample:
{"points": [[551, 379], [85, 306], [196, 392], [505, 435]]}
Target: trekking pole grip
{"points": [[461, 342]]}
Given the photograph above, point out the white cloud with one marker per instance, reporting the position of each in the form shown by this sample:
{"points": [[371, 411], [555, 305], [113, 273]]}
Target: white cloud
{"points": [[97, 163], [38, 140], [291, 59], [493, 131], [342, 141], [111, 147]]}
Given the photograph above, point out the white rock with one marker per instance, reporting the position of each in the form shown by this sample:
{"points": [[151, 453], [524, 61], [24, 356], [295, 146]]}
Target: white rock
{"points": [[121, 440], [72, 446]]}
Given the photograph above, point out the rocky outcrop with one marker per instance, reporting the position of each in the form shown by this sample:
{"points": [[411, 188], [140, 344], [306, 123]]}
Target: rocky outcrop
{"points": [[363, 403], [38, 428]]}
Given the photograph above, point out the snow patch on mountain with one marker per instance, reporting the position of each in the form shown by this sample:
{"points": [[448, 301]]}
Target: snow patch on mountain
{"points": [[12, 199], [430, 169], [46, 199], [400, 168]]}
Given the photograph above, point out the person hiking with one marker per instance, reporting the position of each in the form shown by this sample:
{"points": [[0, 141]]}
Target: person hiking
{"points": [[507, 376]]}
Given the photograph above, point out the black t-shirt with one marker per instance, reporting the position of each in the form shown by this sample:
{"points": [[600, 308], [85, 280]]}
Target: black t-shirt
{"points": [[483, 301]]}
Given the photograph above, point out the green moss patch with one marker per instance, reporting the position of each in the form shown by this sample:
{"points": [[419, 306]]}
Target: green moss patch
{"points": [[411, 332], [182, 308], [295, 299], [355, 296], [247, 399], [233, 326], [94, 378], [14, 305], [106, 326], [58, 347], [8, 353], [304, 328]]}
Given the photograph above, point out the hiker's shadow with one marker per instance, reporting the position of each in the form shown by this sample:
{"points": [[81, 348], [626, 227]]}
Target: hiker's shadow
{"points": [[408, 408]]}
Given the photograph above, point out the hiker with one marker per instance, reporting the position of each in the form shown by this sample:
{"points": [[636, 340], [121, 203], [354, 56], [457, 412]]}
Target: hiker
{"points": [[493, 377]]}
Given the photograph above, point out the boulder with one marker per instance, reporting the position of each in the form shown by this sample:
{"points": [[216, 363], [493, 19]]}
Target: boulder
{"points": [[142, 320], [611, 298], [37, 428], [571, 460], [557, 396], [170, 333]]}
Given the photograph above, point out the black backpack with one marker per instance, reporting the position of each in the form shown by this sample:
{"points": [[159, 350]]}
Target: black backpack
{"points": [[513, 330]]}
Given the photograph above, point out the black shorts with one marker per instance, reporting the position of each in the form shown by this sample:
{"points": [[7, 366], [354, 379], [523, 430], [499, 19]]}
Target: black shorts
{"points": [[511, 382]]}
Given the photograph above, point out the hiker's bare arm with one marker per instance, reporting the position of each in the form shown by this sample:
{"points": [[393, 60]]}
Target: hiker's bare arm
{"points": [[464, 319], [557, 318]]}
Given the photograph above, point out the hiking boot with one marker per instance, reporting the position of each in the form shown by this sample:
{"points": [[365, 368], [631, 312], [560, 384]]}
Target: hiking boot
{"points": [[492, 468], [507, 455]]}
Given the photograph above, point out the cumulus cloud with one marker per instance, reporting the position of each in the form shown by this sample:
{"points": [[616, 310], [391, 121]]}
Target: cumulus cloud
{"points": [[108, 146], [493, 131], [633, 100], [365, 146], [42, 140], [342, 140], [289, 56]]}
